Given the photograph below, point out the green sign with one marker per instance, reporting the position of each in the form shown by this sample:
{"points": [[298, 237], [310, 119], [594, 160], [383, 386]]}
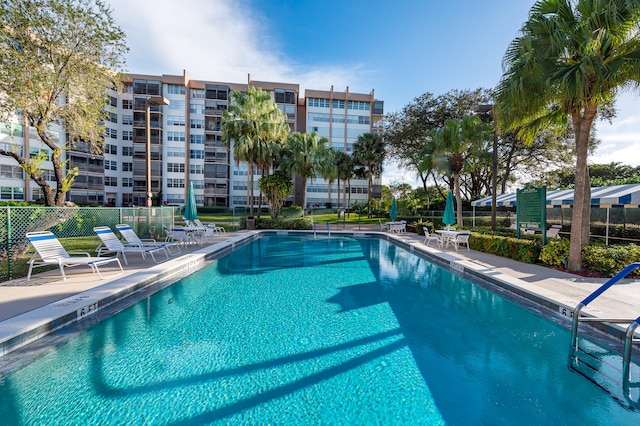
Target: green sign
{"points": [[532, 209]]}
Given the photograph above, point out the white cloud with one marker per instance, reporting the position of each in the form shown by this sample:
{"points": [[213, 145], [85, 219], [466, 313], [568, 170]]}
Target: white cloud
{"points": [[214, 40]]}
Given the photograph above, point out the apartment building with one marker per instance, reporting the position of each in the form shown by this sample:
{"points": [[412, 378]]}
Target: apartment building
{"points": [[185, 144]]}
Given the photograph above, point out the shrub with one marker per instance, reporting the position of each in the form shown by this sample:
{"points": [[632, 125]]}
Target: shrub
{"points": [[303, 223], [527, 251], [555, 253], [290, 212], [609, 260]]}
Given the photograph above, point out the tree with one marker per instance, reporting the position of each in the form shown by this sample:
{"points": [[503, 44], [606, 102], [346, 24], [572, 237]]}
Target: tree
{"points": [[256, 127], [459, 139], [368, 155], [58, 58], [276, 187], [405, 132], [570, 60], [344, 165], [304, 154], [329, 171]]}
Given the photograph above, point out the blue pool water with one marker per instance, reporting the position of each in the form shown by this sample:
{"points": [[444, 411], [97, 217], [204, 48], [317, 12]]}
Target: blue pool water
{"points": [[292, 330]]}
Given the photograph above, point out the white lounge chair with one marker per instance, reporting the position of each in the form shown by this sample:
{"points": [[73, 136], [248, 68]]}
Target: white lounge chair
{"points": [[461, 238], [554, 231], [133, 240], [111, 244], [182, 236], [49, 251]]}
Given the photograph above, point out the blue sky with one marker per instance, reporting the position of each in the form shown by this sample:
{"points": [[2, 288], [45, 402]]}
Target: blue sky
{"points": [[400, 49]]}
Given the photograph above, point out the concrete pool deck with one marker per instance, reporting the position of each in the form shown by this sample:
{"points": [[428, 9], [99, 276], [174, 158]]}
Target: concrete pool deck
{"points": [[32, 309]]}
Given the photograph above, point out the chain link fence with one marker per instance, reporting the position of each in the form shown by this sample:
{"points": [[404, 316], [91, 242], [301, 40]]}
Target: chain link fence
{"points": [[73, 226]]}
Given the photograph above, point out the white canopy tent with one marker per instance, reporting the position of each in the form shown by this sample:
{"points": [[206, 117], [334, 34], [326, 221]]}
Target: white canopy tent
{"points": [[605, 197]]}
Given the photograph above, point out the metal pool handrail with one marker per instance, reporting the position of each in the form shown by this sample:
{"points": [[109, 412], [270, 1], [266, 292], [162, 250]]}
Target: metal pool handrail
{"points": [[629, 340]]}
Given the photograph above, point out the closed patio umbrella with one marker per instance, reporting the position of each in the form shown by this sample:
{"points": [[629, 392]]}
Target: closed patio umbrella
{"points": [[449, 217], [393, 212], [190, 211]]}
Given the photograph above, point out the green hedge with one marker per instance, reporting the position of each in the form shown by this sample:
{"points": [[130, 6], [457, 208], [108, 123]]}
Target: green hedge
{"points": [[302, 223], [607, 260], [522, 250]]}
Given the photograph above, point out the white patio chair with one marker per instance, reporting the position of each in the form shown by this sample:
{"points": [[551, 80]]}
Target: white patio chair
{"points": [[49, 251], [111, 244], [132, 239], [432, 237], [461, 238]]}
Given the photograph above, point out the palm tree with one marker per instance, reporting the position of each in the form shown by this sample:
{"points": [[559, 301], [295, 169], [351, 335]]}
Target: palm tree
{"points": [[368, 155], [305, 154], [457, 140], [256, 127], [570, 60], [344, 164], [329, 171]]}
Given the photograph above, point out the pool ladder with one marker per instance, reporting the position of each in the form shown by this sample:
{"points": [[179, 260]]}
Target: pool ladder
{"points": [[590, 365]]}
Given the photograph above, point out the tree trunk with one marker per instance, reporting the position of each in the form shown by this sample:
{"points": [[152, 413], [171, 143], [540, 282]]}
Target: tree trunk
{"points": [[456, 186], [338, 181], [370, 181], [250, 191], [586, 210], [582, 126]]}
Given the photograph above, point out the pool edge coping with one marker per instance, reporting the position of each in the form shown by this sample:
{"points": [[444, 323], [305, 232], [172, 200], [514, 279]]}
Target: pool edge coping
{"points": [[27, 328]]}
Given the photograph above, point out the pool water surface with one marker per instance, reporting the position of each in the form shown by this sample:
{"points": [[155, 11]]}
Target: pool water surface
{"points": [[297, 330]]}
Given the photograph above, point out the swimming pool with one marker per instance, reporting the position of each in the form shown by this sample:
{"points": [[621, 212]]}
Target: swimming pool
{"points": [[296, 330]]}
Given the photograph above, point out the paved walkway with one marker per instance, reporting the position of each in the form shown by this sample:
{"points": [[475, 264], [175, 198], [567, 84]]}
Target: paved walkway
{"points": [[563, 291]]}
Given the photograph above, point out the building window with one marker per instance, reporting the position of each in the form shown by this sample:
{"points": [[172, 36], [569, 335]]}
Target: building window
{"points": [[197, 139], [196, 169], [113, 117], [196, 123], [127, 167], [174, 89], [197, 94], [337, 104], [175, 152], [127, 135], [110, 149], [318, 103], [11, 172], [359, 105], [127, 182], [127, 119], [177, 105], [113, 101], [175, 136], [127, 104], [175, 120], [284, 96], [11, 193], [110, 165], [197, 153], [196, 109], [33, 152], [175, 167], [127, 151], [198, 184], [112, 133], [110, 181], [175, 183]]}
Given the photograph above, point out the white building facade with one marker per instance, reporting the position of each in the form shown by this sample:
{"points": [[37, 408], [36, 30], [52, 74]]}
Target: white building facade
{"points": [[186, 146]]}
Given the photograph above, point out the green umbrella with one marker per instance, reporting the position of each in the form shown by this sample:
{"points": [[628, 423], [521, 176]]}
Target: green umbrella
{"points": [[449, 217], [393, 212], [190, 211]]}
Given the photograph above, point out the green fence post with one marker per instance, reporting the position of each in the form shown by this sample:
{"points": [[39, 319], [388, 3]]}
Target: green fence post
{"points": [[9, 273]]}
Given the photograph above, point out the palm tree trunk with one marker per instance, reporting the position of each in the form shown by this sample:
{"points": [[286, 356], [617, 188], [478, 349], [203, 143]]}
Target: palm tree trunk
{"points": [[586, 210], [456, 188], [582, 126], [250, 191]]}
